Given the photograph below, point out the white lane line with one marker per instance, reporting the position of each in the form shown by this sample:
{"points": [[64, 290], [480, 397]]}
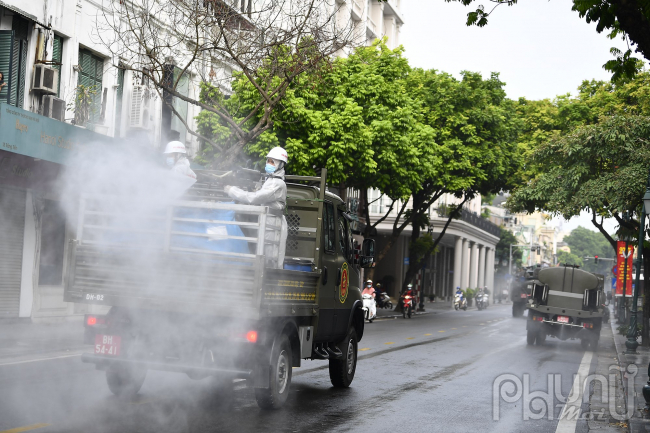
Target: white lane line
{"points": [[39, 359], [571, 410]]}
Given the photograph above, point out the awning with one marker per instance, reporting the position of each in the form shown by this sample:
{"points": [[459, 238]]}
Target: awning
{"points": [[30, 134]]}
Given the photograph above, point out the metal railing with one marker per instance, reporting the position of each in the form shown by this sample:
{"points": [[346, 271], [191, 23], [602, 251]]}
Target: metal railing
{"points": [[473, 219]]}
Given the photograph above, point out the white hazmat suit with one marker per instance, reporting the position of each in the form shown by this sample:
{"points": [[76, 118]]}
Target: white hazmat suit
{"points": [[274, 195]]}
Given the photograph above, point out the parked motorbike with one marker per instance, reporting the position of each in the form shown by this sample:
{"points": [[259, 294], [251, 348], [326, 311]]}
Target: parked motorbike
{"points": [[482, 301], [369, 308], [460, 303], [385, 301], [407, 306]]}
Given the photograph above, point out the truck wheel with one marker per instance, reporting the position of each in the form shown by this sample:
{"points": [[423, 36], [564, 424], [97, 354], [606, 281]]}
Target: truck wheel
{"points": [[342, 370], [276, 394], [584, 342], [531, 336], [594, 344], [124, 381], [541, 338]]}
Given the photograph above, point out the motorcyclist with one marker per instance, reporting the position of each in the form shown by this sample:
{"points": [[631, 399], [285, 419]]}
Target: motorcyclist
{"points": [[369, 290], [460, 292], [176, 158], [274, 195], [408, 292]]}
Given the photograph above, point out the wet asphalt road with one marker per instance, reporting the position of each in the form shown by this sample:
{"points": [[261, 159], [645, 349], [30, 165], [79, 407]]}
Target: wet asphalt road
{"points": [[435, 372]]}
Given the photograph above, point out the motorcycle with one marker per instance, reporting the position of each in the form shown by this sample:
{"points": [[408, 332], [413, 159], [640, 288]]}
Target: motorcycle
{"points": [[407, 306], [369, 308], [460, 302], [385, 301], [482, 301]]}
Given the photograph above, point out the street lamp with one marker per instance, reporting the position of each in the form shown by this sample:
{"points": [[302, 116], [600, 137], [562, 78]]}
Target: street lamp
{"points": [[631, 342]]}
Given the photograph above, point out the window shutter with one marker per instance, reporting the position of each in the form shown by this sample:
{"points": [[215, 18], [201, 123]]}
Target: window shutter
{"points": [[15, 60], [22, 75], [6, 50], [57, 56]]}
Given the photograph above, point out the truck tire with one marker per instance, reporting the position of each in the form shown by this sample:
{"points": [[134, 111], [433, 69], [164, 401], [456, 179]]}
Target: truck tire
{"points": [[541, 338], [517, 310], [124, 381], [584, 342], [276, 394], [342, 370], [531, 336]]}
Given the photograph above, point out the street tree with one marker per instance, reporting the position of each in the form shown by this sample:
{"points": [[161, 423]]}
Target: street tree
{"points": [[502, 249], [567, 258], [629, 20], [476, 128], [601, 168], [588, 243], [266, 43]]}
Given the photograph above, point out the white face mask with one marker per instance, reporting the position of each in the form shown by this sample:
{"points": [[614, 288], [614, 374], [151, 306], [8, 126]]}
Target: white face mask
{"points": [[170, 161]]}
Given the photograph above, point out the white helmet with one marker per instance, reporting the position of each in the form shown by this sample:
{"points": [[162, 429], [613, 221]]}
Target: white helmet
{"points": [[175, 147], [278, 153], [369, 282], [409, 286]]}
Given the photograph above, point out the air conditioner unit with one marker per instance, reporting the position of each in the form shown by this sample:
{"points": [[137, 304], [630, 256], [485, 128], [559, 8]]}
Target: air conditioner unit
{"points": [[139, 115], [46, 79], [53, 107]]}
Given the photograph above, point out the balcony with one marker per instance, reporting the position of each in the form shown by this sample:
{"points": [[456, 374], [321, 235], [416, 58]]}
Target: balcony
{"points": [[357, 10], [371, 29], [473, 219], [391, 10]]}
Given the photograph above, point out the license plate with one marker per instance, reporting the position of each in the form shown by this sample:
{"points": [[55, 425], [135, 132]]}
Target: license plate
{"points": [[107, 345], [523, 295], [563, 319]]}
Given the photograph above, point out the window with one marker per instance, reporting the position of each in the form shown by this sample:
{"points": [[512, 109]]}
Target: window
{"points": [[57, 59], [91, 71], [13, 61], [328, 227], [343, 236], [180, 105], [52, 244]]}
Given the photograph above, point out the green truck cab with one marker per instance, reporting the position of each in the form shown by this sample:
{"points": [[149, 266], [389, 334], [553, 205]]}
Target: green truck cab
{"points": [[567, 304], [180, 301]]}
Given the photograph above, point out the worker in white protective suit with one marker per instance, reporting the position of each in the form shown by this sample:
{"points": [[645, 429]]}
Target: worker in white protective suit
{"points": [[176, 159], [274, 195]]}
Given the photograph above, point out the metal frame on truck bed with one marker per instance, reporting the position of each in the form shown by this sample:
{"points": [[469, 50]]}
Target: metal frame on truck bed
{"points": [[195, 286]]}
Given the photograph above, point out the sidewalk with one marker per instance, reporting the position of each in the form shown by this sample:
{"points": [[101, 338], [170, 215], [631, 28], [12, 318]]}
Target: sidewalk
{"points": [[22, 340], [636, 368]]}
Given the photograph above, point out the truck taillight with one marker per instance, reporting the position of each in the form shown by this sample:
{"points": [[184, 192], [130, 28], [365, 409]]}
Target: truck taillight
{"points": [[538, 318], [251, 336], [588, 325], [93, 320]]}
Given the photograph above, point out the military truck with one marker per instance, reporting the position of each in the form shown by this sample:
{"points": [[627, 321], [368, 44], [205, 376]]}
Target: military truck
{"points": [[521, 289], [191, 290], [567, 305]]}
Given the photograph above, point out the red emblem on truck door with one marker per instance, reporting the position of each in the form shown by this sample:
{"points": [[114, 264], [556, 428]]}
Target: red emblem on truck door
{"points": [[345, 283]]}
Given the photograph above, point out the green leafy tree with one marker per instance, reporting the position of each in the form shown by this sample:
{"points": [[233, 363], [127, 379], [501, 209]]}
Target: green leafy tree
{"points": [[566, 258], [502, 249], [621, 18], [587, 243]]}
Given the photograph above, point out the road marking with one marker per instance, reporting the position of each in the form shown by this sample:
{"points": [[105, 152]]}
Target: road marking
{"points": [[38, 360], [428, 334], [390, 342], [481, 324], [410, 338], [441, 331], [571, 410], [453, 328], [364, 349], [26, 428], [464, 326]]}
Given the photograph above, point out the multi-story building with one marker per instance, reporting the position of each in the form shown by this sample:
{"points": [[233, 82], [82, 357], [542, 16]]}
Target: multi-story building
{"points": [[49, 50], [464, 258]]}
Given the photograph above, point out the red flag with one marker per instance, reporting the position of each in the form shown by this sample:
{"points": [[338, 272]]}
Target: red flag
{"points": [[620, 268]]}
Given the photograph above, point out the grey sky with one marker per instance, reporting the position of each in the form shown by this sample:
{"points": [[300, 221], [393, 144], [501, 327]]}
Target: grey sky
{"points": [[540, 48]]}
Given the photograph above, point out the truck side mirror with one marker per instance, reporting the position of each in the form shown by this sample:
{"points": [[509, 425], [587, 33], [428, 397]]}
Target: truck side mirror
{"points": [[367, 258]]}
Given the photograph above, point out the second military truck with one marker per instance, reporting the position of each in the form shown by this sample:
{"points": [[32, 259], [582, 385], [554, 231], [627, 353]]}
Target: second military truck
{"points": [[567, 304]]}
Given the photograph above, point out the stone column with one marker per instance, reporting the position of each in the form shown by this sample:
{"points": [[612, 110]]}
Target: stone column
{"points": [[489, 269], [473, 266], [464, 271], [481, 266], [458, 261]]}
